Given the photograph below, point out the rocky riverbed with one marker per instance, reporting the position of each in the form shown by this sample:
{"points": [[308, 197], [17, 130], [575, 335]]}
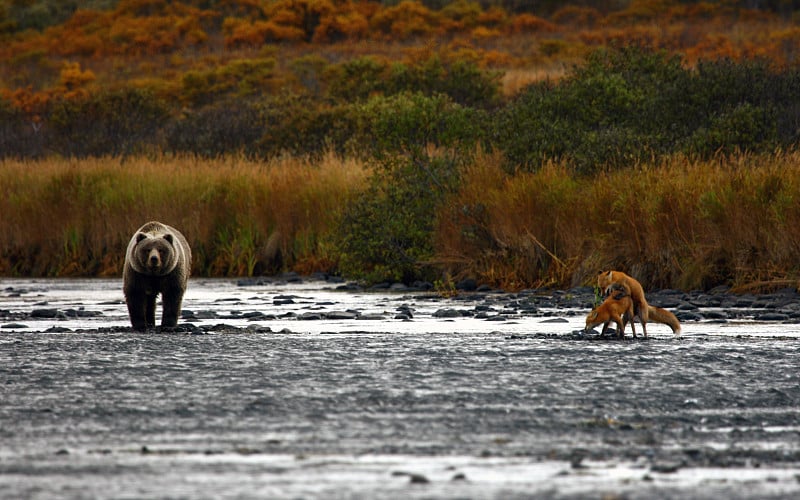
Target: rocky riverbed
{"points": [[305, 388]]}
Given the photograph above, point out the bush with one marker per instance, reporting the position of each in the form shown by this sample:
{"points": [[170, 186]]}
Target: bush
{"points": [[387, 233], [419, 144], [624, 106], [218, 129], [408, 124], [463, 81], [109, 123]]}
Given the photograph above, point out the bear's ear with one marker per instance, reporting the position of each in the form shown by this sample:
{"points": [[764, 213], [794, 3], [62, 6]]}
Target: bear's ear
{"points": [[168, 237], [140, 237]]}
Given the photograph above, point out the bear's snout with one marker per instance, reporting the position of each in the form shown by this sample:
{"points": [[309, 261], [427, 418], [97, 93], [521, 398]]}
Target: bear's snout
{"points": [[153, 259]]}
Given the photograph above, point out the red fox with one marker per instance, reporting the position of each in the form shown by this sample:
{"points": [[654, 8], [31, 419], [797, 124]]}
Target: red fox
{"points": [[617, 307], [642, 309], [606, 278]]}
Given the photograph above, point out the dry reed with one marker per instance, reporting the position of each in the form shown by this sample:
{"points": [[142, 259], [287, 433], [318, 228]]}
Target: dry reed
{"points": [[66, 218]]}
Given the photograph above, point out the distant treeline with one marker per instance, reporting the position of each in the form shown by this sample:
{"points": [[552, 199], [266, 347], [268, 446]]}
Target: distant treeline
{"points": [[619, 108], [39, 14]]}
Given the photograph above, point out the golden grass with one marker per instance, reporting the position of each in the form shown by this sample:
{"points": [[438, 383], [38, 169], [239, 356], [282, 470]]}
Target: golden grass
{"points": [[682, 223], [66, 217], [678, 223]]}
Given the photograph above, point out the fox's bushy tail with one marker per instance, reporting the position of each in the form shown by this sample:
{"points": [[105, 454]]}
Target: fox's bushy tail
{"points": [[659, 315]]}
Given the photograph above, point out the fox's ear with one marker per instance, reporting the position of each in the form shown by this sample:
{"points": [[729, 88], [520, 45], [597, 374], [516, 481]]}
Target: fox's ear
{"points": [[610, 274]]}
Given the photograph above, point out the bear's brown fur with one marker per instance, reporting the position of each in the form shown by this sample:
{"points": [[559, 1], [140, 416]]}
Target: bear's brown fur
{"points": [[158, 261]]}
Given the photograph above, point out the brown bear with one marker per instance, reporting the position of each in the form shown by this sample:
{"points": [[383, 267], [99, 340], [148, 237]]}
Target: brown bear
{"points": [[158, 261]]}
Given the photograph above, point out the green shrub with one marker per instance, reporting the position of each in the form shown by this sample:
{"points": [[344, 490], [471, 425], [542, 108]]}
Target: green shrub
{"points": [[387, 233], [112, 123], [418, 144], [624, 106], [408, 124], [222, 128]]}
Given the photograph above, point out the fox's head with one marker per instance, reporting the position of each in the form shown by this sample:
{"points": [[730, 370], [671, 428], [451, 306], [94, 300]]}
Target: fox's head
{"points": [[591, 320]]}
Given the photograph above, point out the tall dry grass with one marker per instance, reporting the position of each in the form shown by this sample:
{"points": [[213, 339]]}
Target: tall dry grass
{"points": [[679, 223], [65, 218], [682, 223]]}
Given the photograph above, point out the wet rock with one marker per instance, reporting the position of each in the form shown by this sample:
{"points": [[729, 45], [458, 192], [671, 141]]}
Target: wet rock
{"points": [[406, 311], [57, 329], [309, 316], [555, 320], [449, 313], [342, 315], [44, 313], [666, 467], [715, 315], [414, 478], [498, 317], [81, 313], [684, 316], [772, 316], [13, 326], [467, 285], [372, 317]]}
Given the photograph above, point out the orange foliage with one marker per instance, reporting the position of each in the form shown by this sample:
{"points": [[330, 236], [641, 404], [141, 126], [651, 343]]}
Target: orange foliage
{"points": [[73, 77], [407, 19], [26, 100], [134, 35], [528, 23]]}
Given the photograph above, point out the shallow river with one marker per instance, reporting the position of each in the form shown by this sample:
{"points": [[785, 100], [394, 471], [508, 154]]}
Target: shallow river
{"points": [[300, 390]]}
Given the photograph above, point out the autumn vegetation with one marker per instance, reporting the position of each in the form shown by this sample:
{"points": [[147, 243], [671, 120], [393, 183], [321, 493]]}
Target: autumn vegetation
{"points": [[404, 141]]}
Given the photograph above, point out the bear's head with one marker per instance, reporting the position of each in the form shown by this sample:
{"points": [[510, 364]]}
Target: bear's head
{"points": [[155, 255]]}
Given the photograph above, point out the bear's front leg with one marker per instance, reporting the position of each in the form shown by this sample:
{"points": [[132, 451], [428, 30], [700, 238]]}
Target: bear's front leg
{"points": [[150, 313], [171, 299], [136, 311]]}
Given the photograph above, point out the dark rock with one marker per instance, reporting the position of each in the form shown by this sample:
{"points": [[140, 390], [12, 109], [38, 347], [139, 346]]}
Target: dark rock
{"points": [[13, 326], [372, 317], [309, 316], [57, 329], [467, 285], [342, 315], [772, 316], [666, 467], [448, 313], [714, 314], [44, 313]]}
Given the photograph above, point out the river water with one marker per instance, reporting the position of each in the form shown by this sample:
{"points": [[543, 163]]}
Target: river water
{"points": [[300, 390]]}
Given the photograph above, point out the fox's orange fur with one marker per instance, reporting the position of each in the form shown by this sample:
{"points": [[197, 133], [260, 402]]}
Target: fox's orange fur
{"points": [[640, 308], [644, 311], [659, 315], [617, 307]]}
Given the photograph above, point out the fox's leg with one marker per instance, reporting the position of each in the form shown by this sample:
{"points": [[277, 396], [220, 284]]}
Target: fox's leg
{"points": [[605, 327], [620, 327], [640, 311], [629, 315], [643, 316]]}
